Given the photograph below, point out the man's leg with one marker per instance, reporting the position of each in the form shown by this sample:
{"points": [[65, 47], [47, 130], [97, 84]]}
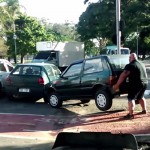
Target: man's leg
{"points": [[142, 102], [141, 99], [131, 106]]}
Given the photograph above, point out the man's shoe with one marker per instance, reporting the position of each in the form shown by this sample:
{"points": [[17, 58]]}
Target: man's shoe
{"points": [[128, 116], [144, 112]]}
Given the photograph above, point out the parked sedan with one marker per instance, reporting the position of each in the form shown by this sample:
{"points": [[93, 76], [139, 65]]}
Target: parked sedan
{"points": [[31, 80], [5, 68]]}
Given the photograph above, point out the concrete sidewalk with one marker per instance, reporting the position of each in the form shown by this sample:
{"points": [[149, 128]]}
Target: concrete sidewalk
{"points": [[41, 134]]}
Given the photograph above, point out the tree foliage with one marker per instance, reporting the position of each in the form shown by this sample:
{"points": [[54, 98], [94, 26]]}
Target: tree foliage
{"points": [[62, 32], [96, 22], [9, 10], [99, 20], [28, 31]]}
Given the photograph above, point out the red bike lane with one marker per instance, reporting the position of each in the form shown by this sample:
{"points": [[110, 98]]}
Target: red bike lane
{"points": [[47, 127]]}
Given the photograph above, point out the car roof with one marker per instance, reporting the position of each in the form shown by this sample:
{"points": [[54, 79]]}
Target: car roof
{"points": [[36, 64], [108, 56]]}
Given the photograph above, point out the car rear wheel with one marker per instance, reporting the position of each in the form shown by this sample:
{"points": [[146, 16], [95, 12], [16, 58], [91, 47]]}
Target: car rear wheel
{"points": [[103, 100], [54, 100]]}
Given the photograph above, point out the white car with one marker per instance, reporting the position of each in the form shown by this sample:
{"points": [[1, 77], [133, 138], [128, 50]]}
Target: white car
{"points": [[5, 69]]}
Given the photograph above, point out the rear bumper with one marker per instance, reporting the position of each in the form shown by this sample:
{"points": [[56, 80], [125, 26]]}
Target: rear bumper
{"points": [[34, 92]]}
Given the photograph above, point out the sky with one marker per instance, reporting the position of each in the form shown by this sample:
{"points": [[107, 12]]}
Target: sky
{"points": [[56, 11]]}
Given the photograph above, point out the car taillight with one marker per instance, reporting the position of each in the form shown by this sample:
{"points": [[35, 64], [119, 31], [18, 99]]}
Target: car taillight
{"points": [[112, 80], [8, 79], [41, 80]]}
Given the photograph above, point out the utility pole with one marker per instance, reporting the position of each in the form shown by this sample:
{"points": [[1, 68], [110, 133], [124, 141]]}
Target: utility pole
{"points": [[15, 37], [118, 32], [137, 38]]}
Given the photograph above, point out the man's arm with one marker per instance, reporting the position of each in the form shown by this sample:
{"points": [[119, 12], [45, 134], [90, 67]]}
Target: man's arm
{"points": [[122, 77]]}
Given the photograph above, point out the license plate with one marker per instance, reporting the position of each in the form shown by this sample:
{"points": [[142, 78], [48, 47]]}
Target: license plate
{"points": [[24, 90]]}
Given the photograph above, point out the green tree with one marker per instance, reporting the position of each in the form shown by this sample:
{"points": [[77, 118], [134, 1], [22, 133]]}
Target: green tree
{"points": [[99, 20], [96, 23], [28, 31], [9, 10], [136, 16], [3, 48], [62, 32], [144, 41]]}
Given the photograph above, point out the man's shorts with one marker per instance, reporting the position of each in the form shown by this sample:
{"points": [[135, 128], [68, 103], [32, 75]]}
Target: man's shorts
{"points": [[136, 92]]}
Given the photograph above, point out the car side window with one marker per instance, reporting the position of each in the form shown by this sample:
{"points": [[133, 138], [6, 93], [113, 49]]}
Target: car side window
{"points": [[17, 71], [93, 65], [49, 70], [56, 71], [74, 70]]}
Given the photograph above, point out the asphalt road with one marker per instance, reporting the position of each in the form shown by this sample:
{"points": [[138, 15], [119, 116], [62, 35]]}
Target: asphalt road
{"points": [[33, 125], [26, 124]]}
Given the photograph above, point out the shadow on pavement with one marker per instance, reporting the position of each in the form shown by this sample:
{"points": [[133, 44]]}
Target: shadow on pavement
{"points": [[21, 144]]}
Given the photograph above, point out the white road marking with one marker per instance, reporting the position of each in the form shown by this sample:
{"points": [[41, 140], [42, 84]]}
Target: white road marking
{"points": [[21, 114]]}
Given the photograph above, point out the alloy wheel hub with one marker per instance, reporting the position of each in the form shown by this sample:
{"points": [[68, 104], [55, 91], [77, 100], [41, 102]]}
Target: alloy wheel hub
{"points": [[101, 100], [54, 100]]}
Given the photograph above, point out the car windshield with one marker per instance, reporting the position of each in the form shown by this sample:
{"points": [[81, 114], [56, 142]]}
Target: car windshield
{"points": [[125, 51], [43, 55]]}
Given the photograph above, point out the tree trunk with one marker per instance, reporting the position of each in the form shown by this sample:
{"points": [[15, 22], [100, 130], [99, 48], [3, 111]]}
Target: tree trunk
{"points": [[15, 59], [22, 59]]}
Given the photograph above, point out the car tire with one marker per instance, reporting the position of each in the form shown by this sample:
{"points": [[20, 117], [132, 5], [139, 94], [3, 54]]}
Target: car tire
{"points": [[54, 100], [83, 101], [103, 100]]}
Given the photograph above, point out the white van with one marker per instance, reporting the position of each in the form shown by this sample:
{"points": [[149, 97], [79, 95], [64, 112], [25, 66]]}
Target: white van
{"points": [[111, 50]]}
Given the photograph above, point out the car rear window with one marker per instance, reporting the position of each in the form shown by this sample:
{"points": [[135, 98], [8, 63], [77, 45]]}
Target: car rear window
{"points": [[27, 70], [93, 65], [119, 61]]}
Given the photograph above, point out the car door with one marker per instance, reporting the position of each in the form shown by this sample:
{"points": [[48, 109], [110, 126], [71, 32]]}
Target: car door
{"points": [[69, 83], [95, 72]]}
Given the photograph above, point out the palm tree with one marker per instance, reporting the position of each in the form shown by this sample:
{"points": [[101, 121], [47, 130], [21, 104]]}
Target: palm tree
{"points": [[9, 10]]}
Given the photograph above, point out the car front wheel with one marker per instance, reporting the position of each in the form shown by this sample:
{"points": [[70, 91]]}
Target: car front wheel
{"points": [[103, 100], [54, 100]]}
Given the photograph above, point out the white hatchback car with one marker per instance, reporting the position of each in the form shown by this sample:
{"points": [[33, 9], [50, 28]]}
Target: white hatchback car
{"points": [[5, 69]]}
